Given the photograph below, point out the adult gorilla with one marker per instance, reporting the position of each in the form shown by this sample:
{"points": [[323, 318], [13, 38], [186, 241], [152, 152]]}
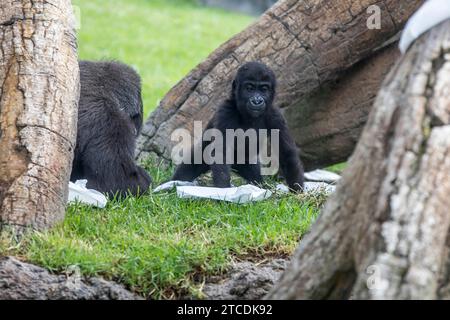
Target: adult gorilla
{"points": [[109, 120]]}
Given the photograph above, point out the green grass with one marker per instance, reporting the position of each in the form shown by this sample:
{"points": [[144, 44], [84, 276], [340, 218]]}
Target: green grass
{"points": [[162, 39], [338, 168], [158, 245]]}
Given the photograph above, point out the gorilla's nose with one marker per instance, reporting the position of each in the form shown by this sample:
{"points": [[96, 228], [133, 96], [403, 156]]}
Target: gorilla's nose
{"points": [[257, 101]]}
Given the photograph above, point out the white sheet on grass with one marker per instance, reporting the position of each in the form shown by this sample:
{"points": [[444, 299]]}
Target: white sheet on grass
{"points": [[430, 14], [79, 193], [310, 187], [316, 187], [243, 194], [169, 185], [322, 176]]}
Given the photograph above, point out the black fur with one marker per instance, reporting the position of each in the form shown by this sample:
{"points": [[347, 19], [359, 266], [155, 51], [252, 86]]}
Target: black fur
{"points": [[109, 120], [250, 106]]}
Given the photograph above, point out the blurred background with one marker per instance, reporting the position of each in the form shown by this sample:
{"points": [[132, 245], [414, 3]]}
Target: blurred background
{"points": [[162, 39], [252, 7]]}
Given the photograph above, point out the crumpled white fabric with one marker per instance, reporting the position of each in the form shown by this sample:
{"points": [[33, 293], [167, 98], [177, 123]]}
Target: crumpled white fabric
{"points": [[242, 194], [322, 176], [79, 193], [309, 187], [430, 14], [315, 187], [169, 185]]}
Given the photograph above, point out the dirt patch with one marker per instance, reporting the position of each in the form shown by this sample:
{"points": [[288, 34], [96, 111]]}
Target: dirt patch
{"points": [[245, 280], [24, 281]]}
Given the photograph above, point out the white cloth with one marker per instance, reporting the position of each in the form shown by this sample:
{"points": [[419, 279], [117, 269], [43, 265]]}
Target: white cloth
{"points": [[316, 187], [79, 193], [322, 176], [309, 187], [169, 185], [430, 14], [242, 194]]}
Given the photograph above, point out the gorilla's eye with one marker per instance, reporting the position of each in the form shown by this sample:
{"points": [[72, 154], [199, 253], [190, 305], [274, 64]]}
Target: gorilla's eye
{"points": [[265, 88], [249, 87]]}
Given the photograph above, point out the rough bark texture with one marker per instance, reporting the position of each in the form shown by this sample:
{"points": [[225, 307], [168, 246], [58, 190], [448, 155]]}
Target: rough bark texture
{"points": [[23, 281], [385, 232], [307, 43], [328, 123], [38, 107]]}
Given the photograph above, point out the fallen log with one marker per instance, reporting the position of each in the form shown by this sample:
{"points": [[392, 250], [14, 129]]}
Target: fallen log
{"points": [[308, 44]]}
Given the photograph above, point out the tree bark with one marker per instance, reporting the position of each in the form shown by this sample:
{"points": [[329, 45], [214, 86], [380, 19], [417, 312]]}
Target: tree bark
{"points": [[39, 87], [384, 234], [328, 123], [308, 44]]}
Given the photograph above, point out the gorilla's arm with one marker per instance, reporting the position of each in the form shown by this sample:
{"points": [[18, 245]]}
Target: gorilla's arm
{"points": [[191, 171], [109, 118], [290, 163], [107, 152], [250, 172], [226, 118]]}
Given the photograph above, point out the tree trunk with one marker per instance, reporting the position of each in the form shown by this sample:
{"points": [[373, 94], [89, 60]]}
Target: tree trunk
{"points": [[39, 87], [308, 44], [385, 232]]}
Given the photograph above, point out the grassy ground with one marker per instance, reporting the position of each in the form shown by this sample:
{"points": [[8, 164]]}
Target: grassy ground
{"points": [[162, 246], [162, 39], [159, 245], [338, 168]]}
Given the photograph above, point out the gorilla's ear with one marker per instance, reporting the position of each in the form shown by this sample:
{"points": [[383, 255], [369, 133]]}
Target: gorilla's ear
{"points": [[233, 88], [273, 79]]}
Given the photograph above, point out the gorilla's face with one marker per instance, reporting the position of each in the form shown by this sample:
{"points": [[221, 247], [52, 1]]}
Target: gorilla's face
{"points": [[256, 94], [130, 97], [136, 115], [254, 89]]}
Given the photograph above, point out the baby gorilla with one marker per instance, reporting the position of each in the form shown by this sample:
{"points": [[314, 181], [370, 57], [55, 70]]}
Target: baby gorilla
{"points": [[109, 120], [249, 107]]}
